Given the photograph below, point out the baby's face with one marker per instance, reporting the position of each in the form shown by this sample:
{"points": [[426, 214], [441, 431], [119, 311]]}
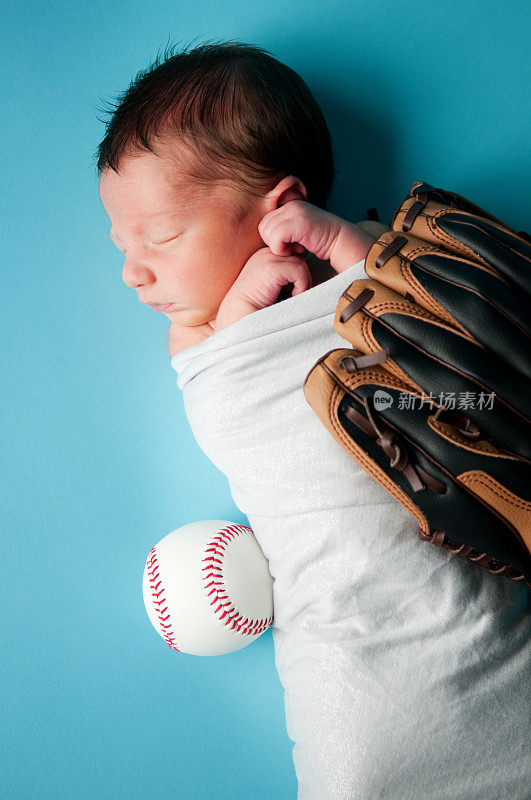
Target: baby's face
{"points": [[183, 245]]}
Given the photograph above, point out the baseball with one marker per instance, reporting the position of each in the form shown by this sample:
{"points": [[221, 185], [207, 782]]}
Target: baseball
{"points": [[207, 588]]}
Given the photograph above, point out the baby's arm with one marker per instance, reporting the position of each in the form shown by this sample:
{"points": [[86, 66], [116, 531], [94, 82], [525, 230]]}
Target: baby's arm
{"points": [[298, 223], [292, 227], [354, 241], [259, 284]]}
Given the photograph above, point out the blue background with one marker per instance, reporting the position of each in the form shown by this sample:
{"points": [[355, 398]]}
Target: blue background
{"points": [[98, 460]]}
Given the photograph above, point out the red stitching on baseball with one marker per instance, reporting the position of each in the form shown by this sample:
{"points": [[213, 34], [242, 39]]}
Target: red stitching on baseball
{"points": [[213, 581], [153, 575]]}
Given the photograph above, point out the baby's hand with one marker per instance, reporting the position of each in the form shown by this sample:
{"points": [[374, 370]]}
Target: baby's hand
{"points": [[297, 225], [259, 283]]}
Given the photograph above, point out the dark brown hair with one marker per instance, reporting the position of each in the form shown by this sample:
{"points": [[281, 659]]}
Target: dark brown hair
{"points": [[242, 117]]}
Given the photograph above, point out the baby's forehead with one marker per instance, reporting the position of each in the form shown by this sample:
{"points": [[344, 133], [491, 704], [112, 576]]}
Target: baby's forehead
{"points": [[153, 190], [144, 179], [193, 172]]}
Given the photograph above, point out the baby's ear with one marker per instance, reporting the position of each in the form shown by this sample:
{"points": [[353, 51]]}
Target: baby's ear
{"points": [[289, 188]]}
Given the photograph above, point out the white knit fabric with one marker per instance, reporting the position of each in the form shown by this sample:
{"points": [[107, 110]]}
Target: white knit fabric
{"points": [[406, 668]]}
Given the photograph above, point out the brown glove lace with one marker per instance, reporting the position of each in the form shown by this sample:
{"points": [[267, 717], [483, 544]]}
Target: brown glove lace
{"points": [[394, 448]]}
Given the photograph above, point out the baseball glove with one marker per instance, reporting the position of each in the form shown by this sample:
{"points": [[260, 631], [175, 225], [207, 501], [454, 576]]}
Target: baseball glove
{"points": [[434, 397]]}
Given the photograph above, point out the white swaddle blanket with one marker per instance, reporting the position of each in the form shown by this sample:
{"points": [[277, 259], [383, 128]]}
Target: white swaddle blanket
{"points": [[406, 668]]}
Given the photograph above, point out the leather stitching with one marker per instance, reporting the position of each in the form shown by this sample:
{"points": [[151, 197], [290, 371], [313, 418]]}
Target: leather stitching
{"points": [[413, 283], [373, 347], [495, 487], [484, 448], [368, 464], [447, 239], [416, 286]]}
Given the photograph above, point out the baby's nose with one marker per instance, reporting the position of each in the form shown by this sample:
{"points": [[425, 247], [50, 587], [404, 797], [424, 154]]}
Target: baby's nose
{"points": [[134, 274]]}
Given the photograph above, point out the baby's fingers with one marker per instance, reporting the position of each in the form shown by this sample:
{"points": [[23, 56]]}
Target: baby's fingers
{"points": [[283, 232], [296, 272]]}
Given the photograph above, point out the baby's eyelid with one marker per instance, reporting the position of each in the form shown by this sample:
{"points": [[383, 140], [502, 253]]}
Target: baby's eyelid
{"points": [[166, 241]]}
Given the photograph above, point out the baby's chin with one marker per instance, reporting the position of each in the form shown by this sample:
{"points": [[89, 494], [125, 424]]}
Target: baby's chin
{"points": [[190, 318]]}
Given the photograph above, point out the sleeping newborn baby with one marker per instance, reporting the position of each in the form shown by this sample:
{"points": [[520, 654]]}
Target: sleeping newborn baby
{"points": [[405, 668], [197, 253]]}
